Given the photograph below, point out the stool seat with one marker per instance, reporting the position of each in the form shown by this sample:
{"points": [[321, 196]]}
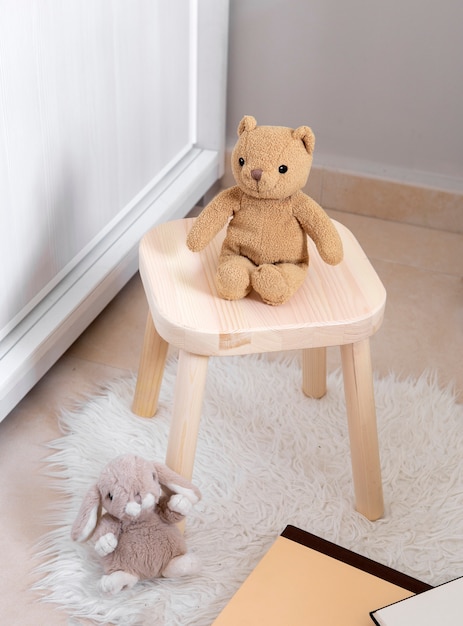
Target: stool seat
{"points": [[336, 306]]}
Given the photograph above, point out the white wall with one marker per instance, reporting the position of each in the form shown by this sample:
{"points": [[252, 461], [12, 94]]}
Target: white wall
{"points": [[111, 121], [82, 129], [380, 83]]}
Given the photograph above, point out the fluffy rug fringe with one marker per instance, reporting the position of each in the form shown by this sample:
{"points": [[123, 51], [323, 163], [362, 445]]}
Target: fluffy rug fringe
{"points": [[267, 457]]}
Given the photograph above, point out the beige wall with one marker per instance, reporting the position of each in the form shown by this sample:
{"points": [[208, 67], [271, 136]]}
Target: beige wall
{"points": [[380, 83]]}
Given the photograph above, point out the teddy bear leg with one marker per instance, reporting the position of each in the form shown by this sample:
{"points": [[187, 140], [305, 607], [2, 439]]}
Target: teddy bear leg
{"points": [[233, 278], [115, 582], [277, 283], [183, 565]]}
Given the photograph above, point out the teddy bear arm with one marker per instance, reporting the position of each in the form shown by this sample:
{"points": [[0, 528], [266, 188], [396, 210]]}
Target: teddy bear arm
{"points": [[319, 227], [213, 218]]}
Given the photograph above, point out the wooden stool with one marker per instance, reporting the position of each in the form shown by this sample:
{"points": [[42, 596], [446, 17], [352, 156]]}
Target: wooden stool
{"points": [[336, 306]]}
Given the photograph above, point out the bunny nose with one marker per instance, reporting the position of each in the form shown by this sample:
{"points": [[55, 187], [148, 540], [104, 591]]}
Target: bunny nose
{"points": [[256, 174], [148, 501], [133, 509]]}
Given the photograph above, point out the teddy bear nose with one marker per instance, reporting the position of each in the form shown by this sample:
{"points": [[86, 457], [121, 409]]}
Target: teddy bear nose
{"points": [[256, 174]]}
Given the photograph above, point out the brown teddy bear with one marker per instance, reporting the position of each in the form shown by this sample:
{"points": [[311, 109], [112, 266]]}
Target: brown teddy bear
{"points": [[265, 246]]}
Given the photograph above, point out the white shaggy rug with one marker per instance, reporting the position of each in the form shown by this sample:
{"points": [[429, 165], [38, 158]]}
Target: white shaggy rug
{"points": [[267, 457]]}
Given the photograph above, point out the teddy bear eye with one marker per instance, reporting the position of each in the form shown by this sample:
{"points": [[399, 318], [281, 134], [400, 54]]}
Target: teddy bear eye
{"points": [[241, 161], [283, 169], [110, 496]]}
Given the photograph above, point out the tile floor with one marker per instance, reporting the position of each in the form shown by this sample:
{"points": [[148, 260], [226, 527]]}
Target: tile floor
{"points": [[422, 270]]}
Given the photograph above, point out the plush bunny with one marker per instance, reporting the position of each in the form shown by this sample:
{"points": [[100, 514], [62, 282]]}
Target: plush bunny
{"points": [[137, 537]]}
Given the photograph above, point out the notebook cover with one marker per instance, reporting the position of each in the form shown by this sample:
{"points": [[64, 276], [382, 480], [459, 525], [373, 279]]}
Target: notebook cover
{"points": [[441, 605], [304, 579]]}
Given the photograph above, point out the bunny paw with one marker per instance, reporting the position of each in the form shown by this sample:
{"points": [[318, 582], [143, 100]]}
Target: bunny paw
{"points": [[184, 491], [179, 503], [183, 565], [106, 544], [115, 582]]}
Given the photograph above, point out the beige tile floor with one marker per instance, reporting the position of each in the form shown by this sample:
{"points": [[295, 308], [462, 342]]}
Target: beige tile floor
{"points": [[422, 270]]}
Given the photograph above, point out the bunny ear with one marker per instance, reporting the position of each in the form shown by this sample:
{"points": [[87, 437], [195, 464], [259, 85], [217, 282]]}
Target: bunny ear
{"points": [[176, 483], [87, 517]]}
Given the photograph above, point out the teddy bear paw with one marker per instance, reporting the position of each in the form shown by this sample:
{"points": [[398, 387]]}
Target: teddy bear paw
{"points": [[233, 279], [270, 284], [106, 544], [277, 283]]}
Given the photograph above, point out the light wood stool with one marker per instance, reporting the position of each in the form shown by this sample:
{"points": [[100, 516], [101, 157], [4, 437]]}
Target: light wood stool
{"points": [[336, 306]]}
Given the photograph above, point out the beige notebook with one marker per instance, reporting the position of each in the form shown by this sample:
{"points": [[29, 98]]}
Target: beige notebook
{"points": [[304, 580]]}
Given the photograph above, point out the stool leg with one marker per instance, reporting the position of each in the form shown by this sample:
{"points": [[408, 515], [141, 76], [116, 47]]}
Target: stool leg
{"points": [[150, 371], [363, 435], [186, 412], [314, 372]]}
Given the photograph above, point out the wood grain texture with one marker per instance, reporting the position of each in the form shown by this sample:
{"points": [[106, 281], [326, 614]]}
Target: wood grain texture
{"points": [[186, 412], [335, 306], [150, 372], [363, 436], [341, 305], [314, 372]]}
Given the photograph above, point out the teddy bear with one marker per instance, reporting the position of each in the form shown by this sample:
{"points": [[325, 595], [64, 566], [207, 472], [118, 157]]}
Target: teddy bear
{"points": [[267, 216], [137, 537]]}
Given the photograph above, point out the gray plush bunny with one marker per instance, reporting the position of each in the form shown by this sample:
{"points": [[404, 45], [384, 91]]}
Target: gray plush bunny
{"points": [[136, 537]]}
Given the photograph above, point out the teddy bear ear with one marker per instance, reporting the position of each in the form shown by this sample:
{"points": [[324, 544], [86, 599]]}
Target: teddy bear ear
{"points": [[247, 123], [306, 135]]}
